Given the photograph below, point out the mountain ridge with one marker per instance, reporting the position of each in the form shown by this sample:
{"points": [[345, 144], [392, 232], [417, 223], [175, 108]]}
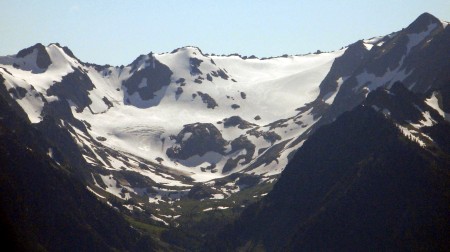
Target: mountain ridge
{"points": [[196, 120], [356, 183]]}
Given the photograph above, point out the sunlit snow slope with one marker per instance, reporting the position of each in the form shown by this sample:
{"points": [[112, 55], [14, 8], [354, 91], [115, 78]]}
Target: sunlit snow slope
{"points": [[227, 94]]}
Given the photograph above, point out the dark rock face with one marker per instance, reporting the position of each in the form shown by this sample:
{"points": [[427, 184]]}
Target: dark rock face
{"points": [[220, 73], [70, 53], [181, 81], [344, 187], [178, 92], [428, 64], [270, 136], [43, 60], [237, 121], [247, 180], [342, 67], [201, 138], [235, 106], [282, 123], [401, 104], [156, 75], [422, 22], [199, 80], [440, 133], [194, 64], [200, 191], [59, 136], [270, 155], [424, 65], [107, 102], [208, 100], [44, 207], [388, 58], [75, 87], [18, 92], [240, 143], [101, 139], [135, 64]]}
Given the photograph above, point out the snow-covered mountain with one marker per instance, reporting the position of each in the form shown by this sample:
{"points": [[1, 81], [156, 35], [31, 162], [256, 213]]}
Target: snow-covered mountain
{"points": [[153, 129], [201, 116]]}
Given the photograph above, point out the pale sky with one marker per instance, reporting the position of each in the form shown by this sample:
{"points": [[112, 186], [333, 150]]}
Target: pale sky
{"points": [[115, 32]]}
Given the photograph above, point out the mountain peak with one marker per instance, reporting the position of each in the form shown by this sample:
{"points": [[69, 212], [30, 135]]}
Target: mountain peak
{"points": [[191, 49], [66, 51], [422, 22], [42, 59], [24, 52]]}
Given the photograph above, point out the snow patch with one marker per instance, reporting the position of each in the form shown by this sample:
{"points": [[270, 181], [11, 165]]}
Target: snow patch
{"points": [[153, 217], [416, 38], [410, 134], [369, 43], [129, 207], [372, 82], [96, 194], [329, 98], [143, 83], [427, 122], [434, 103], [186, 136], [113, 187], [218, 196]]}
